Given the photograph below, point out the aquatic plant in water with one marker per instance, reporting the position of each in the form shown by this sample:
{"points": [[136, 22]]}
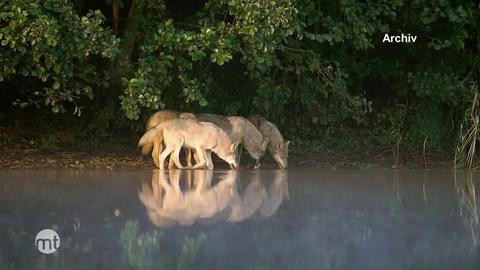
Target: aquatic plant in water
{"points": [[148, 251]]}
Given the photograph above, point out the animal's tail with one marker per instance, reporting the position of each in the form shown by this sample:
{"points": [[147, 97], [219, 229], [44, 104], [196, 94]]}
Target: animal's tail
{"points": [[147, 148], [149, 138]]}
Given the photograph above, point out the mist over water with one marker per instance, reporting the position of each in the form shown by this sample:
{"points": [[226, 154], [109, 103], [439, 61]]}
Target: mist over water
{"points": [[263, 219]]}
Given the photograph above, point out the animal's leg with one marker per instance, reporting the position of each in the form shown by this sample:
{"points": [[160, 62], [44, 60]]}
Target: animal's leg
{"points": [[171, 163], [190, 180], [189, 157], [208, 178], [201, 155], [196, 157], [239, 153], [157, 148], [175, 180], [199, 181], [192, 155], [158, 178], [163, 156], [156, 184], [175, 157], [163, 183], [208, 158]]}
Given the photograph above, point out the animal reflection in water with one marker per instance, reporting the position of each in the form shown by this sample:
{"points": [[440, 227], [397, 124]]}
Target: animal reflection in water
{"points": [[168, 205]]}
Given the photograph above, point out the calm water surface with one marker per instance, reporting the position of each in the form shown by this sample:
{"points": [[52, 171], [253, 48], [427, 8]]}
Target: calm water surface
{"points": [[266, 219]]}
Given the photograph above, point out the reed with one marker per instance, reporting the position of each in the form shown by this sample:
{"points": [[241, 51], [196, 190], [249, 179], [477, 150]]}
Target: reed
{"points": [[466, 146]]}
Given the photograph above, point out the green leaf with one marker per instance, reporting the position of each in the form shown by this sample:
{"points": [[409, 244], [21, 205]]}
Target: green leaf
{"points": [[56, 85]]}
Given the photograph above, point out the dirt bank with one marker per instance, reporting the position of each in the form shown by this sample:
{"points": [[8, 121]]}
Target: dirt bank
{"points": [[117, 157], [16, 152]]}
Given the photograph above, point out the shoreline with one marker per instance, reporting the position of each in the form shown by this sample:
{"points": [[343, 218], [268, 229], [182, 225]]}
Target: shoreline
{"points": [[127, 158]]}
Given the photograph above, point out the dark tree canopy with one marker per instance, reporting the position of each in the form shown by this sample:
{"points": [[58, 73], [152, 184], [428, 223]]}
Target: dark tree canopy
{"points": [[317, 68]]}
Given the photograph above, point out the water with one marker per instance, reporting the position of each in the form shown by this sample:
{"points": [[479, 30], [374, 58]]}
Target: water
{"points": [[265, 219]]}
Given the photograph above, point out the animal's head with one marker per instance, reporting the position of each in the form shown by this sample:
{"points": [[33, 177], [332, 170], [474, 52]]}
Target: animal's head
{"points": [[230, 155], [258, 150], [280, 154]]}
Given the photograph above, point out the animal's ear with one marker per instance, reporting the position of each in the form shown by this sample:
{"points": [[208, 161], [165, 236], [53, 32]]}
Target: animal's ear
{"points": [[265, 141], [279, 146], [286, 144]]}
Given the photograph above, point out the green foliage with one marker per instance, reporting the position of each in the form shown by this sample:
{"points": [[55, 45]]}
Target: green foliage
{"points": [[317, 69], [48, 43], [177, 55], [48, 142]]}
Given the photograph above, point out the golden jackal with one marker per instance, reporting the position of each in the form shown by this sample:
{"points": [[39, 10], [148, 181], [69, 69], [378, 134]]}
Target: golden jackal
{"points": [[153, 121], [277, 147], [203, 137], [239, 129]]}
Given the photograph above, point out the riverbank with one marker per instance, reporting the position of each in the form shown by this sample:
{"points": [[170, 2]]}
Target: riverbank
{"points": [[120, 156], [17, 152]]}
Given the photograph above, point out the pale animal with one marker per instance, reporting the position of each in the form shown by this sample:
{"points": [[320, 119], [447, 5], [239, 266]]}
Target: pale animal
{"points": [[203, 137], [277, 147], [153, 121], [239, 129]]}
